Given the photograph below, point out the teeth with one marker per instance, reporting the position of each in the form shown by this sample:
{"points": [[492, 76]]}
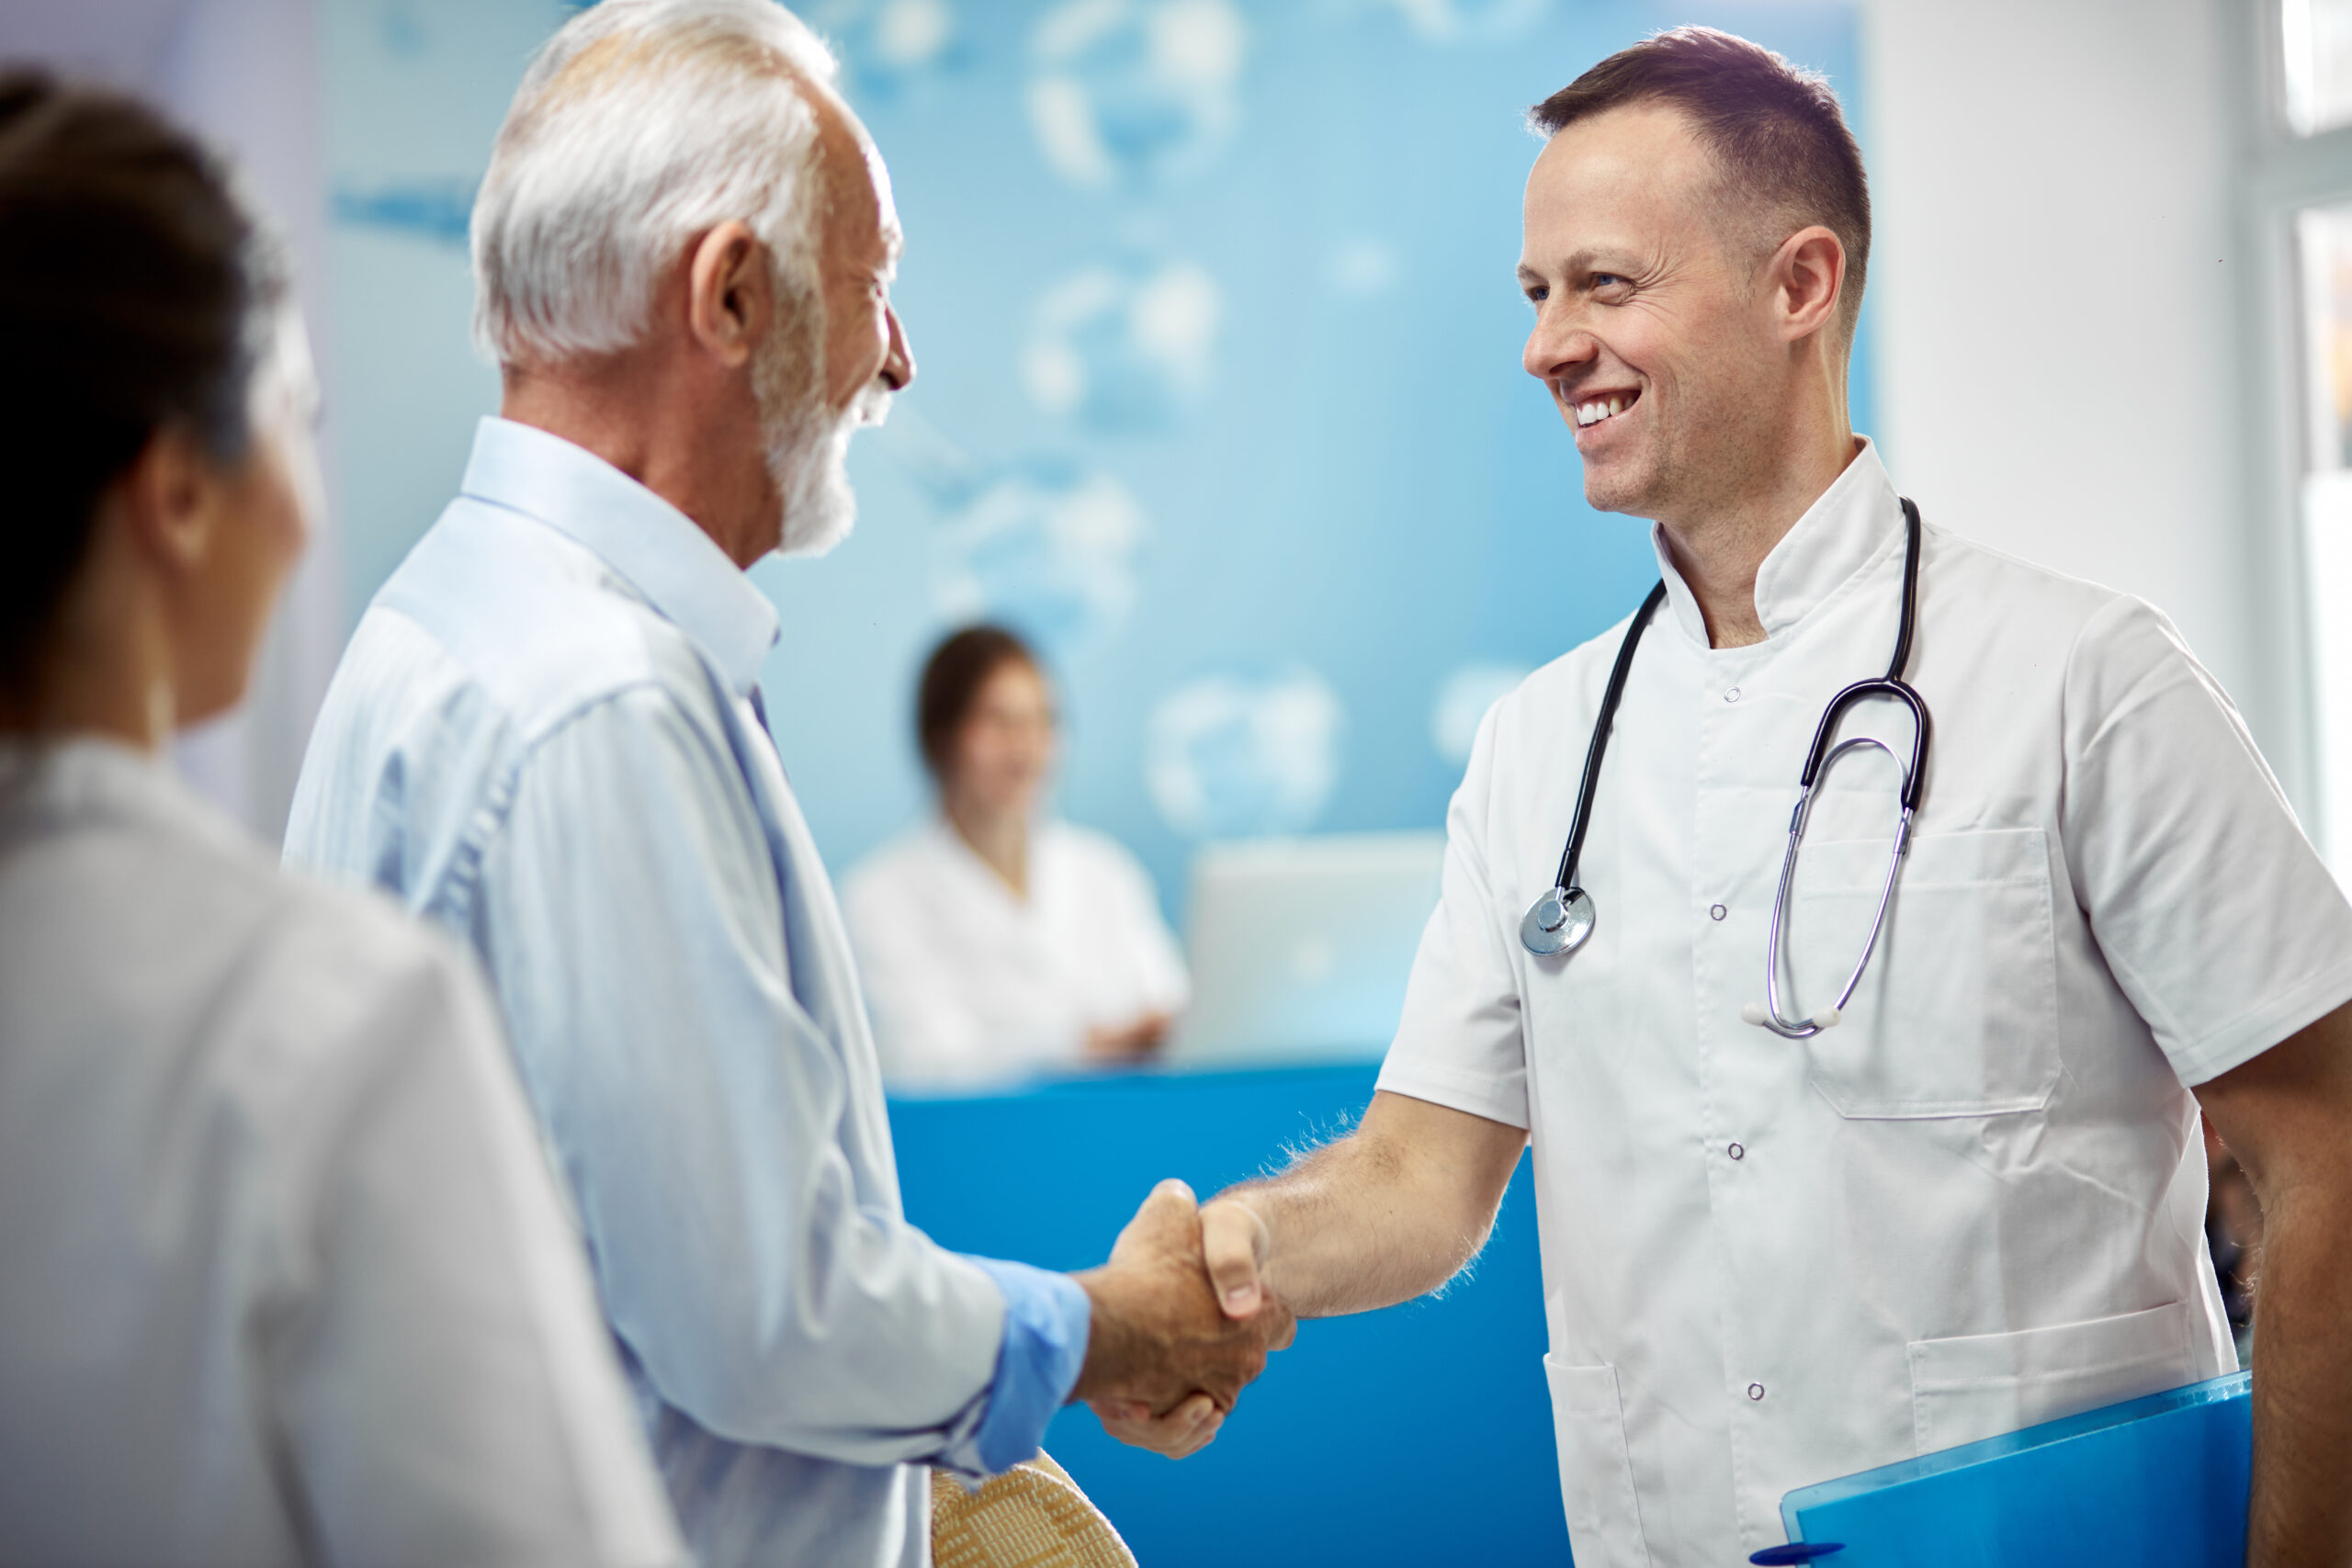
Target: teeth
{"points": [[1599, 409], [1616, 406]]}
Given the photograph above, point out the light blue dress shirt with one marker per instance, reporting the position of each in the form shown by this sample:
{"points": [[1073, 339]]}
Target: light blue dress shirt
{"points": [[546, 735]]}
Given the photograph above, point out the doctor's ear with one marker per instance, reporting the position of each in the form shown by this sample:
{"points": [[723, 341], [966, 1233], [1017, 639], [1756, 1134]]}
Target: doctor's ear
{"points": [[1803, 279]]}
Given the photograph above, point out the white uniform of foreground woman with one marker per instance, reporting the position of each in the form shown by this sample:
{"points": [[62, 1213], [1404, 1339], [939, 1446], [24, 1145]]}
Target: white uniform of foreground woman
{"points": [[286, 1277]]}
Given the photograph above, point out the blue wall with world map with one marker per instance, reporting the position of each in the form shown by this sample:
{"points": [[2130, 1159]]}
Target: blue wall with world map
{"points": [[1219, 393]]}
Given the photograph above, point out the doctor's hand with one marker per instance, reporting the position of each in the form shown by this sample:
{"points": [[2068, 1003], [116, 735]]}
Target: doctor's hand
{"points": [[1163, 1365], [1234, 1242]]}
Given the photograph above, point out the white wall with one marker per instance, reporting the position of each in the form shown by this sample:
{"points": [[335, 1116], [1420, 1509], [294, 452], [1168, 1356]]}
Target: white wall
{"points": [[2061, 282], [244, 74]]}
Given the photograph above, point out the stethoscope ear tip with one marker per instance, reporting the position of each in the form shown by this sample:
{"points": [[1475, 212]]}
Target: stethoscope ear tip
{"points": [[1826, 1018], [1752, 1013]]}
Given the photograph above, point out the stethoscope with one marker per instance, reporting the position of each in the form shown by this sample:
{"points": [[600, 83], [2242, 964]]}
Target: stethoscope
{"points": [[1562, 919]]}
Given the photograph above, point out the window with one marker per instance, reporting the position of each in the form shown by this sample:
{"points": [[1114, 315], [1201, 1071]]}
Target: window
{"points": [[2299, 186], [2317, 74], [2324, 254]]}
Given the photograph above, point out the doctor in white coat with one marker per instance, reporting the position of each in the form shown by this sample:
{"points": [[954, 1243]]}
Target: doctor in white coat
{"points": [[996, 939], [1974, 1203]]}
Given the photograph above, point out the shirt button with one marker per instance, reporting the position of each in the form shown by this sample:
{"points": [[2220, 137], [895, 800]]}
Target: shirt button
{"points": [[1717, 912], [1732, 695], [1737, 1152], [1756, 1391]]}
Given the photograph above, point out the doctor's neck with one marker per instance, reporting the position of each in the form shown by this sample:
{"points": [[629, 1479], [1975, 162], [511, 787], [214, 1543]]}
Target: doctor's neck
{"points": [[1719, 535]]}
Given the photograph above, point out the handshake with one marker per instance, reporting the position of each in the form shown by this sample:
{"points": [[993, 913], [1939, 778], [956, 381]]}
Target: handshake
{"points": [[1182, 1322]]}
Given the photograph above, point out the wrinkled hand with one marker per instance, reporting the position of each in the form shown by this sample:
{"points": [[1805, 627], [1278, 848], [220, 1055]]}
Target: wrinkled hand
{"points": [[1164, 1365]]}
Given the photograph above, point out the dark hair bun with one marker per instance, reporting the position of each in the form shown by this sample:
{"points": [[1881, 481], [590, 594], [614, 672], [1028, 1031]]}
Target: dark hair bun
{"points": [[134, 293]]}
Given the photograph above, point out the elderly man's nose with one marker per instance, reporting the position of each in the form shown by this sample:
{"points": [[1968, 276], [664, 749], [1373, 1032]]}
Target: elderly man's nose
{"points": [[899, 364]]}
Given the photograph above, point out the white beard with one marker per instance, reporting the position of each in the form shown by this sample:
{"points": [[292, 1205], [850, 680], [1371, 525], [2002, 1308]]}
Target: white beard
{"points": [[808, 444]]}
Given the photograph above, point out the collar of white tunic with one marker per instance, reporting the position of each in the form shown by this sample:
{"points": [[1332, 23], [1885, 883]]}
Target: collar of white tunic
{"points": [[958, 859], [49, 785], [657, 548], [1858, 519]]}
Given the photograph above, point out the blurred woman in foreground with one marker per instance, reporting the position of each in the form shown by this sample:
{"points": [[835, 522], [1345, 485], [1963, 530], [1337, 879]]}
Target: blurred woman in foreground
{"points": [[286, 1277], [995, 941]]}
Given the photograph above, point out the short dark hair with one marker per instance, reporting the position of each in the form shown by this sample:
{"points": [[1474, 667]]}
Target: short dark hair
{"points": [[1779, 142], [135, 293], [952, 679]]}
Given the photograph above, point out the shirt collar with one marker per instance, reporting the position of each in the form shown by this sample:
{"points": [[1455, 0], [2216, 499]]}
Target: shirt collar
{"points": [[653, 545], [1846, 529]]}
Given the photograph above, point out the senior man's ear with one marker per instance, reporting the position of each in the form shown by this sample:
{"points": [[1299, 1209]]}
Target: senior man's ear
{"points": [[730, 292]]}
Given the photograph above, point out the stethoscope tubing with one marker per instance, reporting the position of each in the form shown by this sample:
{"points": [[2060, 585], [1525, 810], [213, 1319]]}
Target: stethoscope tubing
{"points": [[1565, 879], [1818, 762], [1566, 902]]}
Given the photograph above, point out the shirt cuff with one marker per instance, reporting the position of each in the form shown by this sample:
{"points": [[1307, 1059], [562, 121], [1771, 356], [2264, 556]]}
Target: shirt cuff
{"points": [[1046, 1320]]}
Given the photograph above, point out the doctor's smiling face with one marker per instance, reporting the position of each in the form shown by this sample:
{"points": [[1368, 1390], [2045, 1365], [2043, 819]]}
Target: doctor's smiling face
{"points": [[1663, 328]]}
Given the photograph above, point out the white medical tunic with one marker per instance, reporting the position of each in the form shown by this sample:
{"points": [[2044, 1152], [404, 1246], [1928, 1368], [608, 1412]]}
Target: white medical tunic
{"points": [[284, 1275], [970, 982], [1977, 1202]]}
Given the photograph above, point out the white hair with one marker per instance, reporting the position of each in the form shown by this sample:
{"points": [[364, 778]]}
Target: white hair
{"points": [[638, 126]]}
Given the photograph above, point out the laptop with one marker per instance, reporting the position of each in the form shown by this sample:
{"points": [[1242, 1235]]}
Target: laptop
{"points": [[1300, 947]]}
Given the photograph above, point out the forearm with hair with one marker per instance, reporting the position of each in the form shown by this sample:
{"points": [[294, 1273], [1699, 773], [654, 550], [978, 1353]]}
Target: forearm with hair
{"points": [[1391, 1211], [2287, 1115], [2301, 1512]]}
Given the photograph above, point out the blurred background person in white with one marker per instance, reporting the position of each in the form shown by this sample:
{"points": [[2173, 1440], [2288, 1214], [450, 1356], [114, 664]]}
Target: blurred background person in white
{"points": [[995, 939], [287, 1278]]}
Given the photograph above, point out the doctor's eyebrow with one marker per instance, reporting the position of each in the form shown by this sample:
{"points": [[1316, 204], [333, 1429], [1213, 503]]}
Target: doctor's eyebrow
{"points": [[1583, 264]]}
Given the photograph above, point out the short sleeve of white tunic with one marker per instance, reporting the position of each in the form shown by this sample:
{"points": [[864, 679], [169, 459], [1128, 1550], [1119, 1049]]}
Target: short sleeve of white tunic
{"points": [[1459, 1042], [2217, 918]]}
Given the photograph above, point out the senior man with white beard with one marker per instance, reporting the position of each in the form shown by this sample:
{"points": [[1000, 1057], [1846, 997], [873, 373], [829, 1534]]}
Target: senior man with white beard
{"points": [[547, 734]]}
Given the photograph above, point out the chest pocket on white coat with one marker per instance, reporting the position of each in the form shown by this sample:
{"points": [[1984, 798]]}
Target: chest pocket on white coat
{"points": [[1957, 1014]]}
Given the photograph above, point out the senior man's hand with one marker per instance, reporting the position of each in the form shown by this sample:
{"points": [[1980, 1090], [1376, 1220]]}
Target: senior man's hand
{"points": [[1163, 1365]]}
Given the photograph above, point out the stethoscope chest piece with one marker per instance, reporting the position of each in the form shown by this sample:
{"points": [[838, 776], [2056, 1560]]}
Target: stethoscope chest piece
{"points": [[1557, 922]]}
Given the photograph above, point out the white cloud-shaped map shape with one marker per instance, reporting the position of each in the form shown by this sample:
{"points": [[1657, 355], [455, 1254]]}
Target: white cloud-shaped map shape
{"points": [[1241, 754], [1452, 21], [1128, 92], [1462, 703], [1123, 350], [1048, 547]]}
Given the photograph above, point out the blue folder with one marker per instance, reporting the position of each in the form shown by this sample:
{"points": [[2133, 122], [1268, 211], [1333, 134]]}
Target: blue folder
{"points": [[2154, 1483]]}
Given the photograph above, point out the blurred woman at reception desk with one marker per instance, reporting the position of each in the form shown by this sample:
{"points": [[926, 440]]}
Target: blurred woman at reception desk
{"points": [[996, 940]]}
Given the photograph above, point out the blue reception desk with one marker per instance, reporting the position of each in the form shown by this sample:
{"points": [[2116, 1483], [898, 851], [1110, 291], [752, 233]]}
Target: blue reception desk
{"points": [[1417, 1435]]}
